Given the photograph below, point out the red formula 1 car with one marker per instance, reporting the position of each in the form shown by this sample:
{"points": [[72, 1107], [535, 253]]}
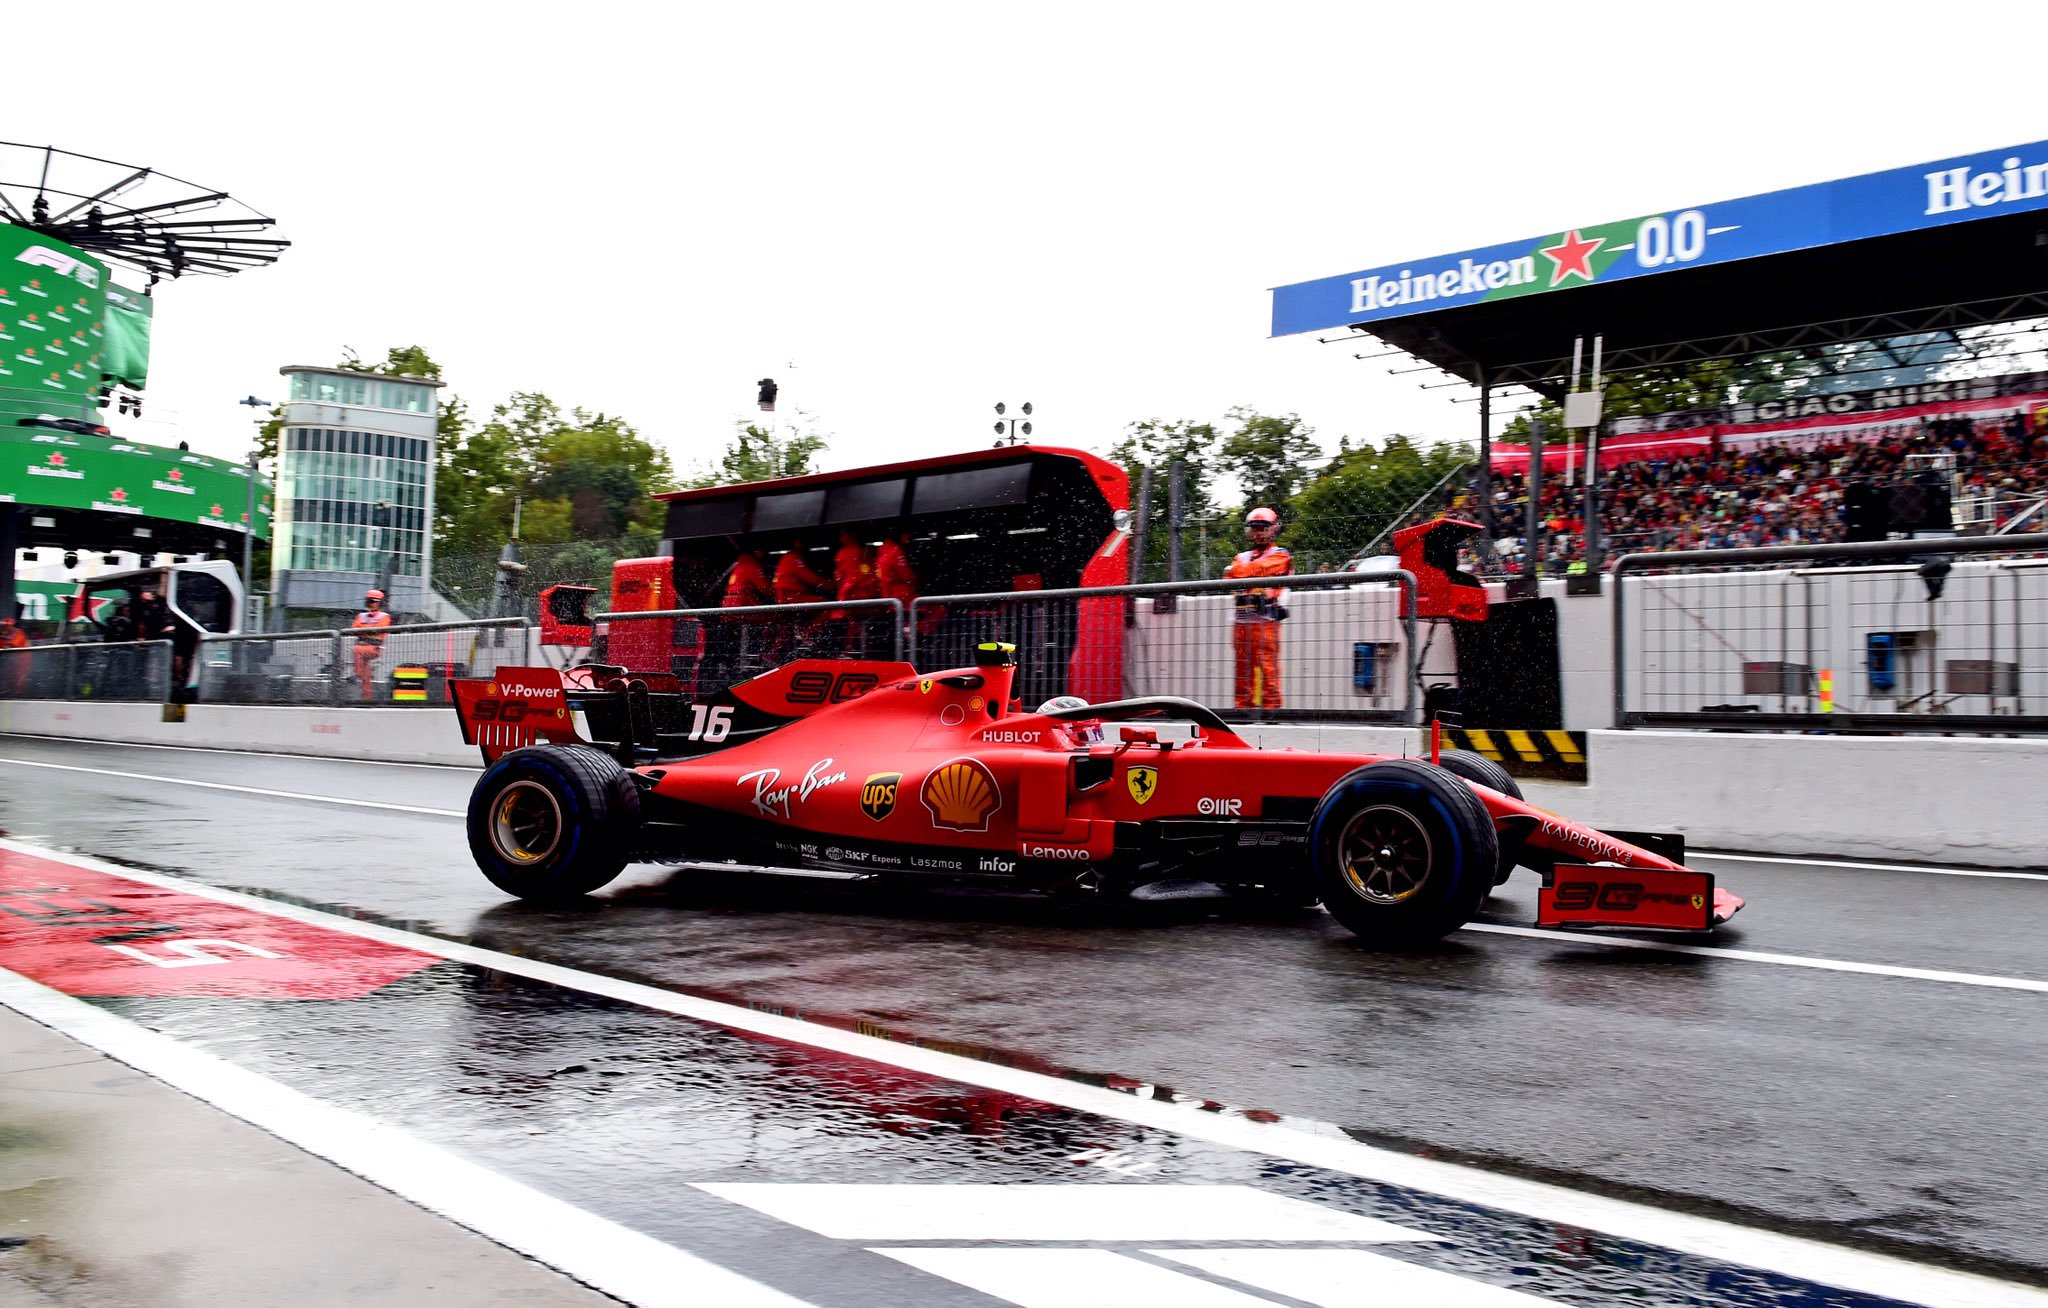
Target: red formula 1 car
{"points": [[875, 769]]}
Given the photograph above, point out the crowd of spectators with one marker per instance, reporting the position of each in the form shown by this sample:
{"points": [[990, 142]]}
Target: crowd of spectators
{"points": [[1777, 494]]}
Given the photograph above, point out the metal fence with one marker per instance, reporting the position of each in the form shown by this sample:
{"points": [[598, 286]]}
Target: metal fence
{"points": [[1933, 635], [710, 649], [1344, 650], [401, 665], [119, 670]]}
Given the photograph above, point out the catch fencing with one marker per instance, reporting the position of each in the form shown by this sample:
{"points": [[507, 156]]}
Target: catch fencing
{"points": [[1345, 650], [384, 666], [138, 670], [1944, 635]]}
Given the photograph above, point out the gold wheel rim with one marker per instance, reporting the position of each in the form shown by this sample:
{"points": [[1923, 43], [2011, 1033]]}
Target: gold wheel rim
{"points": [[1385, 855], [526, 822]]}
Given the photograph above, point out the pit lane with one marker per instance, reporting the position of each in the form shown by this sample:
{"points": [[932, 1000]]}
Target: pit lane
{"points": [[1876, 1109]]}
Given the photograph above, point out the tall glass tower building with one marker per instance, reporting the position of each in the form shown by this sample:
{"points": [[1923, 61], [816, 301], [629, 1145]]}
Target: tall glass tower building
{"points": [[355, 491]]}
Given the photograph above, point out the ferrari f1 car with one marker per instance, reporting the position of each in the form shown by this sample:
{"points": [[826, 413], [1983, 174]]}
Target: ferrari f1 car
{"points": [[874, 769]]}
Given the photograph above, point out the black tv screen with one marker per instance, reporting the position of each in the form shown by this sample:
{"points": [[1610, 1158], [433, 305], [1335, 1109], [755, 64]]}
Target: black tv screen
{"points": [[789, 510], [866, 501], [972, 488], [693, 518]]}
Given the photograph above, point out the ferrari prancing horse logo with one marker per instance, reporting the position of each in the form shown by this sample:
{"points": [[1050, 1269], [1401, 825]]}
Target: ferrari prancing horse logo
{"points": [[1143, 783]]}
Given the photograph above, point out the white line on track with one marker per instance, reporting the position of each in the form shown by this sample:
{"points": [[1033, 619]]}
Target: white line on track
{"points": [[1312, 1143], [244, 753], [1982, 980], [1993, 873], [616, 1259], [240, 790], [1776, 960]]}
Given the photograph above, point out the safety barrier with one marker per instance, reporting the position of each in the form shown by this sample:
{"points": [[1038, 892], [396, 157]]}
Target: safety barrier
{"points": [[1931, 635], [397, 665], [103, 670]]}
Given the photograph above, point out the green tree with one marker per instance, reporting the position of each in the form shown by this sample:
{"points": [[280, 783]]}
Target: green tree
{"points": [[1268, 456], [1155, 444], [575, 476], [1360, 494], [757, 454]]}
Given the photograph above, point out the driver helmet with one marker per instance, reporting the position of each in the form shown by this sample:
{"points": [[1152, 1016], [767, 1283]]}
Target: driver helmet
{"points": [[1087, 731]]}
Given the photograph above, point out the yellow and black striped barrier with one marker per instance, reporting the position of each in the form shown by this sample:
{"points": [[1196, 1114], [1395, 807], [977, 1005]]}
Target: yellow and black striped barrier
{"points": [[1553, 755], [408, 684]]}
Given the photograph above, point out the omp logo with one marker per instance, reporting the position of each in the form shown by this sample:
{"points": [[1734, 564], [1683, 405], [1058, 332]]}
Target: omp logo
{"points": [[878, 794], [63, 264], [1058, 853], [961, 795]]}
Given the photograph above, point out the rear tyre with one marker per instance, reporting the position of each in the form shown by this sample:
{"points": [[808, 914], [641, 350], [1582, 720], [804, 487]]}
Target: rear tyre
{"points": [[1477, 767], [1403, 853], [551, 823]]}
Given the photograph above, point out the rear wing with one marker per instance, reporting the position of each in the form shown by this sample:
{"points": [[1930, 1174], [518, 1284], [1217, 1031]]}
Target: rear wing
{"points": [[514, 708]]}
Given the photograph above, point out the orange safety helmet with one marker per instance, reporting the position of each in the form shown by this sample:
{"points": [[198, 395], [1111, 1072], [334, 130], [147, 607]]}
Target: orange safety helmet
{"points": [[1262, 517], [373, 595]]}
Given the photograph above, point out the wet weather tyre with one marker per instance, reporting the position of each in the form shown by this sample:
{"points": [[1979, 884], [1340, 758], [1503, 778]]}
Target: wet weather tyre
{"points": [[1403, 852], [1477, 767], [551, 823]]}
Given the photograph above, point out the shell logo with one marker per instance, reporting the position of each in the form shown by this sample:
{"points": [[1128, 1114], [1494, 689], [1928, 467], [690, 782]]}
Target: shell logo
{"points": [[961, 795]]}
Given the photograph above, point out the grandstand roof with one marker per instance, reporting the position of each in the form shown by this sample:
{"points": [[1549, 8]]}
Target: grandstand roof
{"points": [[1933, 247]]}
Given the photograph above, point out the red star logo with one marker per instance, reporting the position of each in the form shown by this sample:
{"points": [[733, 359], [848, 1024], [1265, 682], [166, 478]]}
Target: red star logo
{"points": [[177, 475], [119, 496], [216, 510], [1572, 256], [56, 459]]}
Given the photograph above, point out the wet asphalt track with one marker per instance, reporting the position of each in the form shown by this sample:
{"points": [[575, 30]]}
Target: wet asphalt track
{"points": [[1896, 1113]]}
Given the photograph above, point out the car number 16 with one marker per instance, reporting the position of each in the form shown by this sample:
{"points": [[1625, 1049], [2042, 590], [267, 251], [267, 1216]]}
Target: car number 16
{"points": [[713, 724]]}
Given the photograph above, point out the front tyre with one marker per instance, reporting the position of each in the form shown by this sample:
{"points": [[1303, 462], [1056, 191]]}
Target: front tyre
{"points": [[1403, 853], [551, 823], [1477, 767]]}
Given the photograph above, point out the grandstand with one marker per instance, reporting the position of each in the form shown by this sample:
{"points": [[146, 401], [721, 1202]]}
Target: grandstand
{"points": [[1882, 280]]}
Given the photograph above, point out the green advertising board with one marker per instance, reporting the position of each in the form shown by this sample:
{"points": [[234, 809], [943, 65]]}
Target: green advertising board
{"points": [[52, 327], [53, 469]]}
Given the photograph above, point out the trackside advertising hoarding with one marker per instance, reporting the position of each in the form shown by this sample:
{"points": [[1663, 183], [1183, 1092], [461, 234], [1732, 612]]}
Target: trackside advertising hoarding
{"points": [[1927, 195], [52, 469], [52, 328]]}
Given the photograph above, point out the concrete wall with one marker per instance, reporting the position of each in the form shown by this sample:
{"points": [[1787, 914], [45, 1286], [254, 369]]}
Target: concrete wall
{"points": [[396, 735], [1947, 799]]}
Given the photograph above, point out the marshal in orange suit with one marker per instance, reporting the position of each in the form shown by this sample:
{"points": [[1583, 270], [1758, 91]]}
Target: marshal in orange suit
{"points": [[1255, 635]]}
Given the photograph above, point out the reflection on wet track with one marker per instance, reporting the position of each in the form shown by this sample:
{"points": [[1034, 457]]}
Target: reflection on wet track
{"points": [[1872, 1110]]}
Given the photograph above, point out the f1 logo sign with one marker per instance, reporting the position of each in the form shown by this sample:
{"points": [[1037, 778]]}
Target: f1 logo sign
{"points": [[64, 265]]}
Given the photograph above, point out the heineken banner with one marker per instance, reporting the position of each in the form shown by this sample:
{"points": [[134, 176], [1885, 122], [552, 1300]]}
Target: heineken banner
{"points": [[45, 468], [1878, 204], [52, 328]]}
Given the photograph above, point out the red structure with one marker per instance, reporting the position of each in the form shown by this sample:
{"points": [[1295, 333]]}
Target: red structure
{"points": [[1430, 551]]}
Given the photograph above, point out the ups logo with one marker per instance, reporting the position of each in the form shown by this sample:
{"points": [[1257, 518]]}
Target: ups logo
{"points": [[878, 794]]}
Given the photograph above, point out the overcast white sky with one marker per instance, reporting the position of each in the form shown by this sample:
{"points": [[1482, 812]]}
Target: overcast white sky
{"points": [[906, 212]]}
